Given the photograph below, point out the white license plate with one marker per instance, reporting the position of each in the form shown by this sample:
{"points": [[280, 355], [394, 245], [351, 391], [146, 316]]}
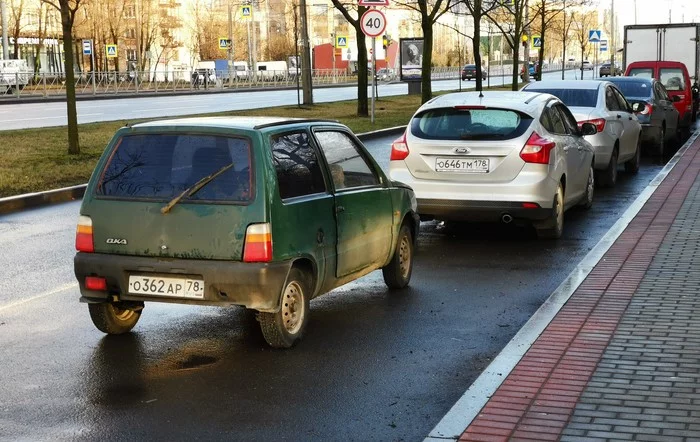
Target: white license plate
{"points": [[161, 286], [462, 165]]}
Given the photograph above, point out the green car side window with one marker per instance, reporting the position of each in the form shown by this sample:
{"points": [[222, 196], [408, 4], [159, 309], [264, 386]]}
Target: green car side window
{"points": [[347, 166], [296, 165]]}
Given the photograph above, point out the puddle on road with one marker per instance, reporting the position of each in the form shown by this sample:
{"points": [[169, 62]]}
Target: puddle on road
{"points": [[195, 361]]}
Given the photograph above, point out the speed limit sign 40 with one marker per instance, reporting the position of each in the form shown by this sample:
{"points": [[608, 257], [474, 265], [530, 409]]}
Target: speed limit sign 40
{"points": [[373, 23]]}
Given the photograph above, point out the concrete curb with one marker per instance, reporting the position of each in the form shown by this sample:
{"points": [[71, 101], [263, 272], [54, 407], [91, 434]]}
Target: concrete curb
{"points": [[29, 200]]}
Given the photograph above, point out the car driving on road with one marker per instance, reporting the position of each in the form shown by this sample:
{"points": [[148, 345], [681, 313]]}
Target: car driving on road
{"points": [[617, 139], [266, 213], [605, 70], [654, 108], [469, 72], [501, 156]]}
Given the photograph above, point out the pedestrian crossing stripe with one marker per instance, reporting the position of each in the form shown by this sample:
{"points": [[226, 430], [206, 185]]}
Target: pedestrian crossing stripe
{"points": [[111, 51]]}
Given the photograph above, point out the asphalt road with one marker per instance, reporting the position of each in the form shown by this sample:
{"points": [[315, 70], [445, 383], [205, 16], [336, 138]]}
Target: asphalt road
{"points": [[33, 115], [375, 365]]}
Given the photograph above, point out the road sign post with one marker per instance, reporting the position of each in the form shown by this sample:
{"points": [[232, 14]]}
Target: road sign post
{"points": [[111, 51], [373, 24], [88, 49]]}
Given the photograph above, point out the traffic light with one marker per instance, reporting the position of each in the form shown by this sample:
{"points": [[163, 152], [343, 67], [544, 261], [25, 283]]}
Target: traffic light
{"points": [[385, 41]]}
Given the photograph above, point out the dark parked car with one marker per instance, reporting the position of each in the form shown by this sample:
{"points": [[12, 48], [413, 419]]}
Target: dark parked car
{"points": [[265, 213], [469, 72], [654, 108], [605, 70]]}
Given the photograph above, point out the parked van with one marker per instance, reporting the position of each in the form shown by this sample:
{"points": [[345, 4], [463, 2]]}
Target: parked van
{"points": [[272, 70], [13, 74], [676, 79]]}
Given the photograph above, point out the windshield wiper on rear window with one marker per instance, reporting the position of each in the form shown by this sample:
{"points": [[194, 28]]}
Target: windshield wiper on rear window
{"points": [[194, 188]]}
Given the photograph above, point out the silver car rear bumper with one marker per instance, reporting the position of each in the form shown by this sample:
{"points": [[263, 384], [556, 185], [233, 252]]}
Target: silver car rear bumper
{"points": [[483, 201]]}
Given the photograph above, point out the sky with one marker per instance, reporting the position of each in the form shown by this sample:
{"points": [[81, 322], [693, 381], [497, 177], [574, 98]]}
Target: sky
{"points": [[654, 11]]}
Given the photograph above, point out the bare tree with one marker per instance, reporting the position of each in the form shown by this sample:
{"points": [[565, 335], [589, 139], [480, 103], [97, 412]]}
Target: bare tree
{"points": [[68, 9], [479, 9], [582, 22], [430, 12], [552, 17], [345, 9], [510, 19], [17, 9]]}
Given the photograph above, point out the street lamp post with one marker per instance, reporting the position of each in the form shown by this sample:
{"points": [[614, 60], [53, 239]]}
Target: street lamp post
{"points": [[5, 42], [612, 38], [231, 69]]}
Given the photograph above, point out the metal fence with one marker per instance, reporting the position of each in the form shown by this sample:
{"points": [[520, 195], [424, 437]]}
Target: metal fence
{"points": [[30, 85]]}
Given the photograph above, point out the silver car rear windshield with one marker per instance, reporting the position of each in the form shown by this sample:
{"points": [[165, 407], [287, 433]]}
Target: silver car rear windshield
{"points": [[469, 123], [572, 97], [159, 167]]}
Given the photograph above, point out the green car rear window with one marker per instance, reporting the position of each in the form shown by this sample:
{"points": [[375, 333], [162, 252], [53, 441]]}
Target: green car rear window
{"points": [[161, 166]]}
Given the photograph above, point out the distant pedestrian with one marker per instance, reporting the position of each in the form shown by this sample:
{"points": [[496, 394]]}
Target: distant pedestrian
{"points": [[195, 80]]}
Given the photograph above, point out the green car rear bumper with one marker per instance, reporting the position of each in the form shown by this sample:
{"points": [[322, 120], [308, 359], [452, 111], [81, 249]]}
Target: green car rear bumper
{"points": [[254, 285]]}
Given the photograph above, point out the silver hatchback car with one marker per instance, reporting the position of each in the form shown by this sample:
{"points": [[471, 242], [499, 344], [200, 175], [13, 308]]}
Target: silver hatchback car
{"points": [[501, 156], [601, 103]]}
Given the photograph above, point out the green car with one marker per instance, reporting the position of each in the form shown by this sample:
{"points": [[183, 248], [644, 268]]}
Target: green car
{"points": [[266, 213]]}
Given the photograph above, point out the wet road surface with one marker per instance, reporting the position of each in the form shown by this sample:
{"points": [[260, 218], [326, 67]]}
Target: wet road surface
{"points": [[374, 365]]}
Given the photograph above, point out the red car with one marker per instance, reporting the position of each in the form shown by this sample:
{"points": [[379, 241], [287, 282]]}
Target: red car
{"points": [[675, 78]]}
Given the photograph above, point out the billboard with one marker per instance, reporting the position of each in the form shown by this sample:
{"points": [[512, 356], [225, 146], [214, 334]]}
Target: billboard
{"points": [[411, 58]]}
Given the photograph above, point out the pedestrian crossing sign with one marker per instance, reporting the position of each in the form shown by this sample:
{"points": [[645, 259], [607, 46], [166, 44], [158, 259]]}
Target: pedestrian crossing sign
{"points": [[341, 41], [594, 35], [536, 41], [111, 51], [224, 43], [247, 12]]}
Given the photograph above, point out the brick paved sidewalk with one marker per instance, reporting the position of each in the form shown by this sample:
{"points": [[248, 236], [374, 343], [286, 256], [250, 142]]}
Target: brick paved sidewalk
{"points": [[621, 359]]}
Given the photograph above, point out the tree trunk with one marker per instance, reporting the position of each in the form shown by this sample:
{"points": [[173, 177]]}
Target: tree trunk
{"points": [[67, 24], [538, 74], [476, 47], [362, 78], [516, 63], [15, 50], [426, 80]]}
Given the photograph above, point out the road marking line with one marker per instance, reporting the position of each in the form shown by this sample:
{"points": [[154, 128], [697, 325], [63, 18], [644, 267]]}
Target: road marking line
{"points": [[51, 118], [467, 407], [169, 108], [63, 288]]}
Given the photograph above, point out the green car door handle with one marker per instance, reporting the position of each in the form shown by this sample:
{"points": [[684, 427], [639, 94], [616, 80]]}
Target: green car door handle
{"points": [[339, 209], [319, 236]]}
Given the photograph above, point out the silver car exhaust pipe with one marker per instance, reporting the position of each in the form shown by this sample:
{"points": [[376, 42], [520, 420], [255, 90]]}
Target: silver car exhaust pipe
{"points": [[506, 218]]}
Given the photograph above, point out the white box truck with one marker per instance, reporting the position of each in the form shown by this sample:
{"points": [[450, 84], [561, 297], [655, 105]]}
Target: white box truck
{"points": [[664, 42]]}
